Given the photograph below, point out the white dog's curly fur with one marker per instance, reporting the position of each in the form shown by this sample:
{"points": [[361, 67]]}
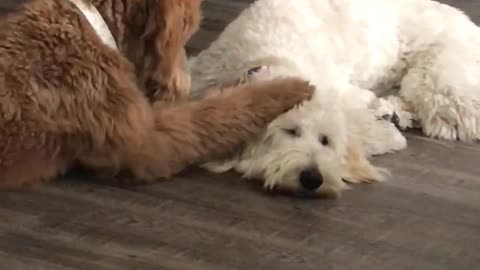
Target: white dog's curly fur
{"points": [[419, 56]]}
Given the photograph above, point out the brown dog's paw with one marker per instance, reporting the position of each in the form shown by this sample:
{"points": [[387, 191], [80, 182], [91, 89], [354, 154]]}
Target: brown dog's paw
{"points": [[285, 93], [294, 91], [171, 93]]}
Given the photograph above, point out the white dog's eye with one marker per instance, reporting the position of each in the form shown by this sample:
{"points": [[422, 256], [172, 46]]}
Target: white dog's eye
{"points": [[254, 70], [324, 140], [294, 132]]}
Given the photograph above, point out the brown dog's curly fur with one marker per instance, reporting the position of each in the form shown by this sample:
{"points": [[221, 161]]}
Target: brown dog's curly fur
{"points": [[66, 98]]}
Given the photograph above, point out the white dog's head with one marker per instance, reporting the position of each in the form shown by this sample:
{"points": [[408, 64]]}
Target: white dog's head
{"points": [[306, 151], [301, 151]]}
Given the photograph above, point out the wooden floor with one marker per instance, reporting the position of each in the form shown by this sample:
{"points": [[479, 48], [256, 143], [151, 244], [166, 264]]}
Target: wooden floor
{"points": [[426, 217]]}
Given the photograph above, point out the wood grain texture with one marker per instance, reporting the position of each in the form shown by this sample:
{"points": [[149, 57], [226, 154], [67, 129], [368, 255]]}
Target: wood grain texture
{"points": [[426, 217]]}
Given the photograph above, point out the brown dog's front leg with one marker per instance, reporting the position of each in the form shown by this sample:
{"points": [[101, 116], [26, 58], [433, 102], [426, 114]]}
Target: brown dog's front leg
{"points": [[173, 86], [214, 127]]}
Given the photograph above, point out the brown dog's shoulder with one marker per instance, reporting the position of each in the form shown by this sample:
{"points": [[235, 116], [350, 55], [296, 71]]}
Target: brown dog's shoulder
{"points": [[50, 56]]}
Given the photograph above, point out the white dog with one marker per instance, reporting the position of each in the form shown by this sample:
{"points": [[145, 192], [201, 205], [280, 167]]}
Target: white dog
{"points": [[420, 55]]}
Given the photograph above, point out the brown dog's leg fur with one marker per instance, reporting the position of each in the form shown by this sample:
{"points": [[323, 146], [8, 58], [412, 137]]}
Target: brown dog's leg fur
{"points": [[30, 167]]}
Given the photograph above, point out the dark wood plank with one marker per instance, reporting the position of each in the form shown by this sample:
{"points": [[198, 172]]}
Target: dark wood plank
{"points": [[426, 217], [8, 4]]}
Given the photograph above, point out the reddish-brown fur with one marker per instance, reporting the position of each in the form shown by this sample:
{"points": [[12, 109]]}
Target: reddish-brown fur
{"points": [[65, 97]]}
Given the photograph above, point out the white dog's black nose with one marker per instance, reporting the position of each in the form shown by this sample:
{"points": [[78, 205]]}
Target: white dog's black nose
{"points": [[311, 179]]}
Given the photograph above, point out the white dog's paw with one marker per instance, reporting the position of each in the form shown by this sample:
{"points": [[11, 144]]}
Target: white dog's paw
{"points": [[467, 129], [365, 175], [372, 180], [219, 166], [441, 128], [358, 169], [384, 137], [459, 121], [394, 110], [382, 109], [403, 120], [398, 141]]}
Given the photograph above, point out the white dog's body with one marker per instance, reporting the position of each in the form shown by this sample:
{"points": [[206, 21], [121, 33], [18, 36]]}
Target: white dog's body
{"points": [[422, 56]]}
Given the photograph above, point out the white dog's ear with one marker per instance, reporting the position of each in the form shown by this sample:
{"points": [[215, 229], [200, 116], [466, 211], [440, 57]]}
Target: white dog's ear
{"points": [[357, 168]]}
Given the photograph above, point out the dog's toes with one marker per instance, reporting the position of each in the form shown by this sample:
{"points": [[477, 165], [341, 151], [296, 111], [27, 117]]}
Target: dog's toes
{"points": [[403, 120], [396, 121], [392, 118]]}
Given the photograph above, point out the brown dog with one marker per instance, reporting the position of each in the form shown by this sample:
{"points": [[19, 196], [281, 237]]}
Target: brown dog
{"points": [[66, 97]]}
